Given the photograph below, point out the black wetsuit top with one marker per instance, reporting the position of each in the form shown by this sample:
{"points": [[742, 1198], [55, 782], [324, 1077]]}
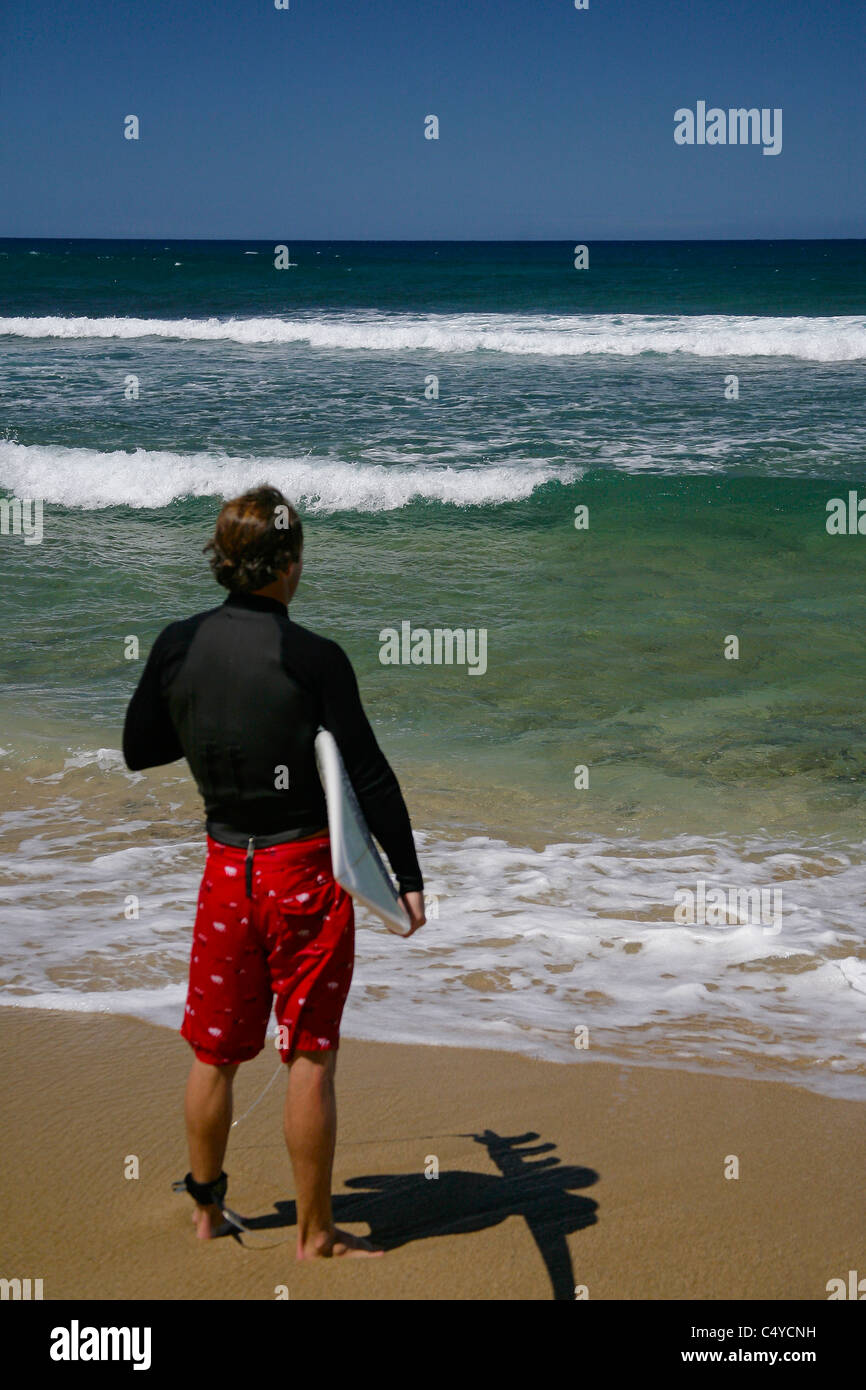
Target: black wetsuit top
{"points": [[240, 692]]}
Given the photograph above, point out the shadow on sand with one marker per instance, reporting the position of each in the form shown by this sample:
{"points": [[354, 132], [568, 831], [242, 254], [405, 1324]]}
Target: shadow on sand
{"points": [[402, 1207]]}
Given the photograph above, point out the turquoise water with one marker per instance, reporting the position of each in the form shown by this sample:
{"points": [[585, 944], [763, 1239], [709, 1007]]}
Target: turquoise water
{"points": [[605, 646]]}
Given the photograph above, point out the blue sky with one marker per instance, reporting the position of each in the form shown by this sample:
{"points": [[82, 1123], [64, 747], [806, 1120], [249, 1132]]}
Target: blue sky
{"points": [[309, 123]]}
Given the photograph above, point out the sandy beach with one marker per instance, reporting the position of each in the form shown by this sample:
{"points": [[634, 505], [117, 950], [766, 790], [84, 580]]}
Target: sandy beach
{"points": [[550, 1176]]}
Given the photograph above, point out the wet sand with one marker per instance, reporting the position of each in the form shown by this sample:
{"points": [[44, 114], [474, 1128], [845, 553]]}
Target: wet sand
{"points": [[588, 1174]]}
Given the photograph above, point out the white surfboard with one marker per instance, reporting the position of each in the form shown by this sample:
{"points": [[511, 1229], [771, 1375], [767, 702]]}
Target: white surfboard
{"points": [[355, 860]]}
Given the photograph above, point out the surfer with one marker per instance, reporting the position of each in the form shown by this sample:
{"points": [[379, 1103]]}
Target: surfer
{"points": [[239, 691]]}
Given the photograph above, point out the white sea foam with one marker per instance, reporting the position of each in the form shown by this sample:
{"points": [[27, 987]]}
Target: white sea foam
{"points": [[88, 479], [840, 338], [528, 945], [163, 1005]]}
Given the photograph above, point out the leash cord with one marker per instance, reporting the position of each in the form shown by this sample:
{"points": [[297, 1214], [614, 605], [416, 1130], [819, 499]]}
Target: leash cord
{"points": [[260, 1098]]}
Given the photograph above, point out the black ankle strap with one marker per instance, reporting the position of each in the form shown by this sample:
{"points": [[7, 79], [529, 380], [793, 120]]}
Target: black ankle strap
{"points": [[207, 1194]]}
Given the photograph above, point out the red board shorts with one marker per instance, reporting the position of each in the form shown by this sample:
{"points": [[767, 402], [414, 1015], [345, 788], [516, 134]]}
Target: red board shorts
{"points": [[292, 943]]}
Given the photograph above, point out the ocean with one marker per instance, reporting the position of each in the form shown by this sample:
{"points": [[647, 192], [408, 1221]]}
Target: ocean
{"points": [[670, 712]]}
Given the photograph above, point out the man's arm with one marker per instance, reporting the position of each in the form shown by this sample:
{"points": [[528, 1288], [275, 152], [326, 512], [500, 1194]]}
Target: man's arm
{"points": [[370, 773], [149, 737]]}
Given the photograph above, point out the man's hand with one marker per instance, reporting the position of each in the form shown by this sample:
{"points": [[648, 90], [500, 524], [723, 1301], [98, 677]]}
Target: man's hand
{"points": [[414, 905]]}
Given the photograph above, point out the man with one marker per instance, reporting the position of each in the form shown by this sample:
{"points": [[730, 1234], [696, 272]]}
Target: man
{"points": [[240, 691]]}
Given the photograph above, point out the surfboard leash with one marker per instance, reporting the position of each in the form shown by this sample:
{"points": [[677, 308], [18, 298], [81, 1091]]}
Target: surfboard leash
{"points": [[212, 1194]]}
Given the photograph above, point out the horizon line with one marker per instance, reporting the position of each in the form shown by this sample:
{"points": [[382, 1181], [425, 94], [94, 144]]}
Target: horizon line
{"points": [[443, 241]]}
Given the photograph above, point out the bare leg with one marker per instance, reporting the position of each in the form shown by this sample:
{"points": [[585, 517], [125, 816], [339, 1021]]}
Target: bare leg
{"points": [[208, 1110], [311, 1134]]}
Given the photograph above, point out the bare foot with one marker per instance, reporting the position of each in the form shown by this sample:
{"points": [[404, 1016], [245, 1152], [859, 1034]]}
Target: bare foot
{"points": [[331, 1245], [207, 1221]]}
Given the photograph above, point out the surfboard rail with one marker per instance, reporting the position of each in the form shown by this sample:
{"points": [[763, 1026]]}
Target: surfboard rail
{"points": [[356, 863]]}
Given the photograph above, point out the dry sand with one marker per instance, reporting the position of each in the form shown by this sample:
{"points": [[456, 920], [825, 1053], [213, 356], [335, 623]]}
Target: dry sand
{"points": [[625, 1193]]}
